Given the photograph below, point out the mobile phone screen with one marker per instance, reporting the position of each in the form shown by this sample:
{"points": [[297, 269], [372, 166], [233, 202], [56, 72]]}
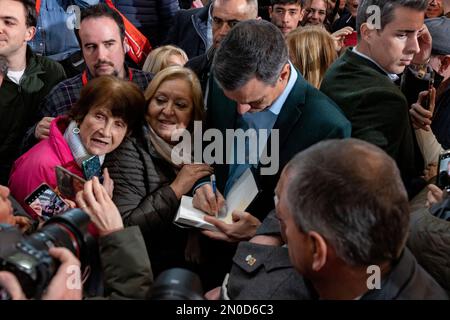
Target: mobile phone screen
{"points": [[443, 178], [351, 40], [45, 202], [68, 183], [92, 168]]}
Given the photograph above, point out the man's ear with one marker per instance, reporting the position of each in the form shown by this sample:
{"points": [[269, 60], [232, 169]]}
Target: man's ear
{"points": [[284, 75], [126, 45], [366, 32], [270, 12], [302, 15], [31, 31], [319, 250]]}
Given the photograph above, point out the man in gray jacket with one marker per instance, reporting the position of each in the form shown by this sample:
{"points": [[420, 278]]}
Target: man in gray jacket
{"points": [[346, 222]]}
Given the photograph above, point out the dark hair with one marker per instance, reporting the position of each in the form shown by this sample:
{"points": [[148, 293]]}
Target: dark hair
{"points": [[386, 9], [30, 12], [123, 98], [351, 193], [253, 48], [102, 10], [274, 2], [3, 65]]}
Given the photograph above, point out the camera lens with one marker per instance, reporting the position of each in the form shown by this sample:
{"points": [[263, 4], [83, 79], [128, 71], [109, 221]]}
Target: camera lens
{"points": [[177, 284], [29, 259]]}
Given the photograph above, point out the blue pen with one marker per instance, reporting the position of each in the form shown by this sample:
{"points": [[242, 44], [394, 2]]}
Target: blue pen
{"points": [[213, 186], [213, 183]]}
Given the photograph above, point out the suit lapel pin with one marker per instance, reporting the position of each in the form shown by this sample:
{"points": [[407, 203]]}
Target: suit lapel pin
{"points": [[250, 260]]}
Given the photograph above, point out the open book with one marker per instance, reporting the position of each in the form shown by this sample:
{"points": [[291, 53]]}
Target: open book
{"points": [[241, 194]]}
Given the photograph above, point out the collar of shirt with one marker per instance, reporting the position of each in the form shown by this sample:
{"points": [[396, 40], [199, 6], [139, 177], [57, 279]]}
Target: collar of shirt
{"points": [[391, 76], [276, 106]]}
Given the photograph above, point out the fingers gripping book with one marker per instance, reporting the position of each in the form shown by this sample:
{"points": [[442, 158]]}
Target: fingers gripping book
{"points": [[240, 196]]}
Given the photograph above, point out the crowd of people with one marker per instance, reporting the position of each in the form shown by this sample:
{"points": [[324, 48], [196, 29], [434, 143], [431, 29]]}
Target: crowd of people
{"points": [[356, 101]]}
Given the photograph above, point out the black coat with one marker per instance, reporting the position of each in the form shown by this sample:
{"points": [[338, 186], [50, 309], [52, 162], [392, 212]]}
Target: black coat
{"points": [[188, 31], [144, 198], [152, 17]]}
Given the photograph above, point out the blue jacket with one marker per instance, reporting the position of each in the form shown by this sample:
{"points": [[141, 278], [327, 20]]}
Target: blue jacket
{"points": [[54, 38]]}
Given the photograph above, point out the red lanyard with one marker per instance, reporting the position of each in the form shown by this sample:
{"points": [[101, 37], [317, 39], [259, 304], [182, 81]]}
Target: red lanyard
{"points": [[38, 7], [84, 78]]}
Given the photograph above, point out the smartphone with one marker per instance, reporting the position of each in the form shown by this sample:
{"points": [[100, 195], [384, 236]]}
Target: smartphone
{"points": [[443, 178], [351, 40], [45, 202], [91, 168], [427, 100], [68, 183]]}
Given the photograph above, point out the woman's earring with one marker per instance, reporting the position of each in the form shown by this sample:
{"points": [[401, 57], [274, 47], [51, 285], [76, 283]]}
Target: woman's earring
{"points": [[76, 130]]}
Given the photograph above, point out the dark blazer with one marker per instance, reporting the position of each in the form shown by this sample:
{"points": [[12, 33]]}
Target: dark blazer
{"points": [[375, 106], [407, 280], [267, 275], [152, 17], [270, 275], [188, 31], [307, 117]]}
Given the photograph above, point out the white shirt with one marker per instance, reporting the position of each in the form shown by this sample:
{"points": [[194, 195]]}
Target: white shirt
{"points": [[15, 76]]}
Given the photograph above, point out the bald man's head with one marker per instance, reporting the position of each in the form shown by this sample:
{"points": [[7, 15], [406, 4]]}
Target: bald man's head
{"points": [[351, 193]]}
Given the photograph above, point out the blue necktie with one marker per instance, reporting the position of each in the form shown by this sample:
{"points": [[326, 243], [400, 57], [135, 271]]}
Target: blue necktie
{"points": [[257, 121]]}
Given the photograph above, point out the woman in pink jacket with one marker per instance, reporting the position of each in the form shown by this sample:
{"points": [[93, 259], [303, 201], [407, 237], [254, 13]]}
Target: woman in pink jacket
{"points": [[107, 110]]}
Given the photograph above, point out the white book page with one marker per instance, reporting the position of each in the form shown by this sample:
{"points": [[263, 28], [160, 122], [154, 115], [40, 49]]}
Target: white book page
{"points": [[239, 198], [241, 195]]}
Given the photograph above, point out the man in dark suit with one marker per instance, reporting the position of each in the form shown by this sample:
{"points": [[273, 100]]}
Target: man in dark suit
{"points": [[362, 81], [256, 87]]}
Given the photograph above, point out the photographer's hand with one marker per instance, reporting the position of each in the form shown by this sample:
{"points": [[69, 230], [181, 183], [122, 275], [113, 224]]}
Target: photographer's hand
{"points": [[12, 286], [435, 195], [95, 201], [66, 284]]}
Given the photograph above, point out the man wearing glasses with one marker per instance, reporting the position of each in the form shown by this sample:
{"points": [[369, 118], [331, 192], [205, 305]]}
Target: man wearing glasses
{"points": [[224, 15]]}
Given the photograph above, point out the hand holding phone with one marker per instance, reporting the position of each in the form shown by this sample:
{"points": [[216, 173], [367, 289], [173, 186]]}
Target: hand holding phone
{"points": [[351, 39], [45, 202], [426, 102]]}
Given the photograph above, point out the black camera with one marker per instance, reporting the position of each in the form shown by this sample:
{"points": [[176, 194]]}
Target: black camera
{"points": [[176, 284], [28, 258]]}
